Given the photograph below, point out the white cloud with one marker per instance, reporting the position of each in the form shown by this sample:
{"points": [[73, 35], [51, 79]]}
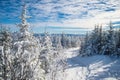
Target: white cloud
{"points": [[102, 19], [75, 8], [82, 13]]}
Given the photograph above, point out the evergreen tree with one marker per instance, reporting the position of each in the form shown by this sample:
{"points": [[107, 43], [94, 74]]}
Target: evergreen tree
{"points": [[117, 43], [59, 46], [26, 64], [63, 40], [46, 53], [5, 39], [110, 41], [93, 42], [84, 49]]}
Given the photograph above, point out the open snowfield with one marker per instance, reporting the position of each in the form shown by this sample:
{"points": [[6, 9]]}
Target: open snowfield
{"points": [[98, 67]]}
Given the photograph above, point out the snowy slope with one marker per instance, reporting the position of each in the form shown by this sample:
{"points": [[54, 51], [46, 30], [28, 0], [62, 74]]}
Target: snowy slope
{"points": [[98, 67]]}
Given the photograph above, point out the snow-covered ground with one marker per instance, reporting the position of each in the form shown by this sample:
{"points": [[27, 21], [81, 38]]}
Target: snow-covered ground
{"points": [[98, 67]]}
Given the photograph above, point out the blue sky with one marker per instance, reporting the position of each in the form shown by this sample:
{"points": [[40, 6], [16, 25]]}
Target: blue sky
{"points": [[69, 16]]}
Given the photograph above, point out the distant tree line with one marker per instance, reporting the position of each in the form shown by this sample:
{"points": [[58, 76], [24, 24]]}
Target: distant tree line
{"points": [[63, 40]]}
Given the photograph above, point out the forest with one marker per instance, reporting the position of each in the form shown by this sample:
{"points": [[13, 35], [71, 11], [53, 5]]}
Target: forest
{"points": [[28, 56]]}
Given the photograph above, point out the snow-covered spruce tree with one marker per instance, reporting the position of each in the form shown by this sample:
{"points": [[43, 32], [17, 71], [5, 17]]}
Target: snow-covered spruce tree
{"points": [[87, 47], [68, 42], [75, 41], [61, 65], [60, 61], [46, 53], [56, 41], [84, 44], [93, 42], [25, 62], [96, 39], [51, 59], [47, 57], [117, 53], [110, 45], [59, 46], [64, 40], [5, 39]]}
